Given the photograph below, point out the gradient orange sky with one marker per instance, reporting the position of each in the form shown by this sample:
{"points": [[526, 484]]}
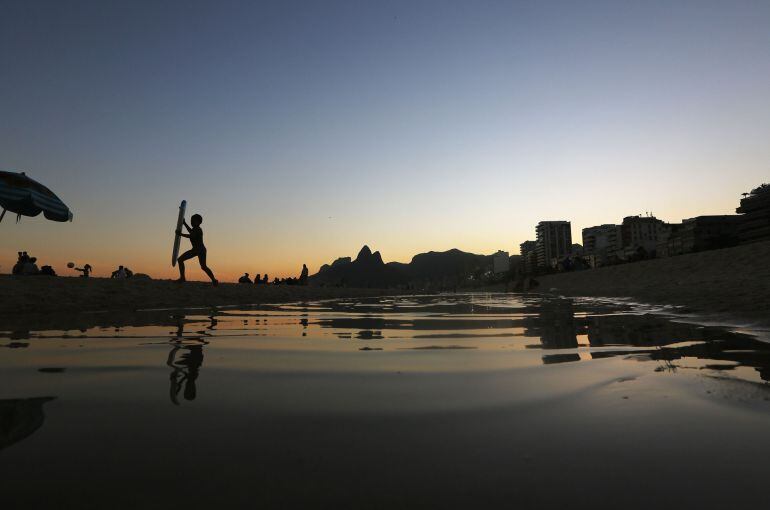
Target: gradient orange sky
{"points": [[302, 132]]}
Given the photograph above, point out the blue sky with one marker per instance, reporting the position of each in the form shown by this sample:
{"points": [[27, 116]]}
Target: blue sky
{"points": [[303, 130]]}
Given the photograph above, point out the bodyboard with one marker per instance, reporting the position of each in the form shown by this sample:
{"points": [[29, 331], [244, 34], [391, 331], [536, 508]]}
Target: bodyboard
{"points": [[177, 237]]}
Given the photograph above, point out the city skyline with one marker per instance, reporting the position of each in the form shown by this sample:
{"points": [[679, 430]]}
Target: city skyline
{"points": [[514, 250], [302, 133]]}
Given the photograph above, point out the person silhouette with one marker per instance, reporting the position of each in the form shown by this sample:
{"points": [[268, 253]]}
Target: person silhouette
{"points": [[19, 266], [120, 273], [86, 270], [195, 235], [258, 279], [303, 275], [244, 279], [30, 267]]}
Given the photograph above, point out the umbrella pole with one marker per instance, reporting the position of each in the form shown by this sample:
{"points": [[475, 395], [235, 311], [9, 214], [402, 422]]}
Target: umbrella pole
{"points": [[2, 215]]}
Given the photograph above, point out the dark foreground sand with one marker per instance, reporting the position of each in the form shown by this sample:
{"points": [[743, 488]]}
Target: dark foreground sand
{"points": [[46, 295], [733, 283], [568, 407]]}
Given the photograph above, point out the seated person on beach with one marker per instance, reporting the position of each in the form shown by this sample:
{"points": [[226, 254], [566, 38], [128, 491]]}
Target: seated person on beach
{"points": [[86, 270], [30, 267], [257, 279], [129, 273], [18, 266], [264, 279], [195, 235], [47, 271], [244, 279], [119, 273], [22, 259]]}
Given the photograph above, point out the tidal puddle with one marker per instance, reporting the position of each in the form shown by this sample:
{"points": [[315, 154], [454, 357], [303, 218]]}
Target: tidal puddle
{"points": [[455, 400]]}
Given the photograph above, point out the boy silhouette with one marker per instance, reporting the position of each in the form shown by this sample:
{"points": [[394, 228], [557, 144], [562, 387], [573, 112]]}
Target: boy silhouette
{"points": [[195, 235]]}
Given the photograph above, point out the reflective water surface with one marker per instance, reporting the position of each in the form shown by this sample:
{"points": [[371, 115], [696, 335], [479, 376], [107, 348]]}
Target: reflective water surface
{"points": [[452, 401]]}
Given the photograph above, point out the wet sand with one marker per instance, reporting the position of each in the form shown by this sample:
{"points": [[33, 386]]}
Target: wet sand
{"points": [[46, 295], [552, 403], [731, 284]]}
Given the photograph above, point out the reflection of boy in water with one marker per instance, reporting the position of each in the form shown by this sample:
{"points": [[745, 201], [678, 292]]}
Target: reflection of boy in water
{"points": [[195, 235], [184, 371]]}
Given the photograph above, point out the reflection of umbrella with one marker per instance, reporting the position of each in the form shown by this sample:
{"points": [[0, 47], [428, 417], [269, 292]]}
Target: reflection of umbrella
{"points": [[19, 418], [23, 196]]}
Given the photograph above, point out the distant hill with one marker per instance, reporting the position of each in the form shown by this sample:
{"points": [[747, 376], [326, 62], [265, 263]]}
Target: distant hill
{"points": [[448, 268], [339, 262], [367, 270], [452, 264]]}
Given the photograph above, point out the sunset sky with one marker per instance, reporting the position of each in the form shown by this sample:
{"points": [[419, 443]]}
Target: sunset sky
{"points": [[304, 130]]}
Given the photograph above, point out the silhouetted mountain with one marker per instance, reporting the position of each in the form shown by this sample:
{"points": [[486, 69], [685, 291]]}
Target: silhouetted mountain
{"points": [[450, 264], [367, 270], [339, 262], [366, 257], [446, 269]]}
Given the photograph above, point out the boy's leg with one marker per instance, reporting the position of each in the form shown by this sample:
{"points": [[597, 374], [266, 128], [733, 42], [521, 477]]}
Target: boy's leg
{"points": [[202, 260], [180, 261]]}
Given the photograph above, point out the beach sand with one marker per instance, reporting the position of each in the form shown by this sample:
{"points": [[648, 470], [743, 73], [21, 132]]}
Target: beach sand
{"points": [[732, 283], [46, 295]]}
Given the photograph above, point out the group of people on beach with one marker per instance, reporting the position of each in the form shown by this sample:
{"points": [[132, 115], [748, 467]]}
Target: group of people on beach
{"points": [[258, 280], [263, 280], [27, 266], [122, 273]]}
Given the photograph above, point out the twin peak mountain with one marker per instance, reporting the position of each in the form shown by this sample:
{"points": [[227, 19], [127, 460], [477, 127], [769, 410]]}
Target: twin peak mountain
{"points": [[369, 270]]}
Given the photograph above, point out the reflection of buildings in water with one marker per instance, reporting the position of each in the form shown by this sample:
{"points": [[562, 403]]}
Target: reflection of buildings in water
{"points": [[417, 324], [369, 335], [554, 325], [557, 327], [550, 359], [741, 350], [667, 341], [20, 418], [15, 345], [640, 331]]}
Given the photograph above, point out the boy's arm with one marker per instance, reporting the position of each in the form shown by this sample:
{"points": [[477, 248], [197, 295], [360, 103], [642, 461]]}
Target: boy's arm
{"points": [[179, 232]]}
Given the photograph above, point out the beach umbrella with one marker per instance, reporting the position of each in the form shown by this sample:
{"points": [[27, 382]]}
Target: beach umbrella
{"points": [[27, 197]]}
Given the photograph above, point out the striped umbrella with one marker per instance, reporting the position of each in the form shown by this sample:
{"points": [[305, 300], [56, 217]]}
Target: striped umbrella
{"points": [[24, 196]]}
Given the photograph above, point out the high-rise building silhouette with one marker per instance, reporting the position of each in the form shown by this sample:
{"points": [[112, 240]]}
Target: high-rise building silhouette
{"points": [[554, 242]]}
